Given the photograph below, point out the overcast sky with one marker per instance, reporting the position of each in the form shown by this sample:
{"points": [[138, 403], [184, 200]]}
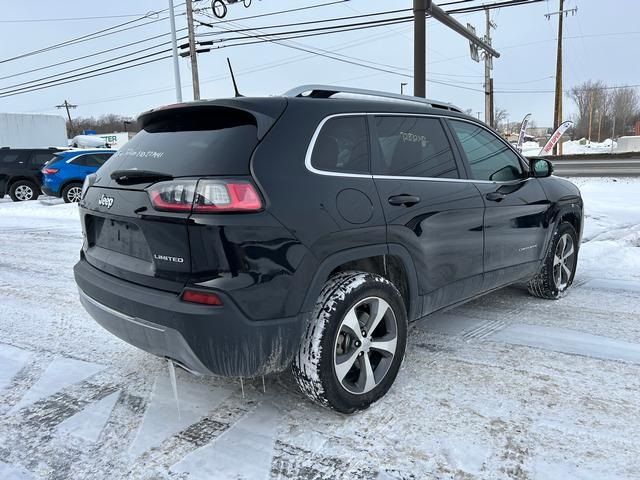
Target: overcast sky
{"points": [[599, 44]]}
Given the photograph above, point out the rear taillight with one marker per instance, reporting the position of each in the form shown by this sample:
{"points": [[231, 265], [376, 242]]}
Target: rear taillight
{"points": [[204, 298], [49, 171], [173, 196], [205, 196], [226, 196]]}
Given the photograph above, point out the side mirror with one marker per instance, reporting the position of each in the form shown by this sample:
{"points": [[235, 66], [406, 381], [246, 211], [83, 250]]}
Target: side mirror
{"points": [[540, 167]]}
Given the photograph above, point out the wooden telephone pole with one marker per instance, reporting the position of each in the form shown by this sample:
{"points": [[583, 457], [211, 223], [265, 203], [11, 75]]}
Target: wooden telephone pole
{"points": [[557, 113], [557, 119], [66, 105], [488, 81], [193, 54]]}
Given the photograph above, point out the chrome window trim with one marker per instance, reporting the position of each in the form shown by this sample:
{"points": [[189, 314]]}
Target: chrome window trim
{"points": [[312, 144], [314, 138]]}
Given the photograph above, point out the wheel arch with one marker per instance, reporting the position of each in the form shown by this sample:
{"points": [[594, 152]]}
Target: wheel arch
{"points": [[69, 182], [17, 178], [390, 261]]}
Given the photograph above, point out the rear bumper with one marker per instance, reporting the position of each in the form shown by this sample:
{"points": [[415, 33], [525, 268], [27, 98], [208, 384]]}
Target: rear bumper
{"points": [[204, 339], [51, 193]]}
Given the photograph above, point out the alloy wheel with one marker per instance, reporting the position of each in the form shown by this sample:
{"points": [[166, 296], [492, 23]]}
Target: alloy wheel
{"points": [[24, 192], [563, 262], [74, 194], [365, 345]]}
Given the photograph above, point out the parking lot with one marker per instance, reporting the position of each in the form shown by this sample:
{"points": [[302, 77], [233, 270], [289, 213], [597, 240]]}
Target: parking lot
{"points": [[507, 386]]}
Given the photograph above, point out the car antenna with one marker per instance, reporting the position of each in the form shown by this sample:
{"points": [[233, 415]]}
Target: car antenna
{"points": [[233, 79]]}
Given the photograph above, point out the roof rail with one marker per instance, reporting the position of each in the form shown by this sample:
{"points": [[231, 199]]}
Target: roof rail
{"points": [[327, 91]]}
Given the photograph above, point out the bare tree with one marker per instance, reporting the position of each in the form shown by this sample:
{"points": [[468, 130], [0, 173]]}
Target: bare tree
{"points": [[589, 97], [500, 117], [104, 124], [625, 105]]}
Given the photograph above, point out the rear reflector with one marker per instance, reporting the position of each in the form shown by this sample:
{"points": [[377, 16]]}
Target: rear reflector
{"points": [[49, 171], [204, 298], [205, 196]]}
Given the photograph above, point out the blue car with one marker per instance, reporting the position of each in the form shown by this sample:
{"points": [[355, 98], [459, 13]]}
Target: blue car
{"points": [[64, 174]]}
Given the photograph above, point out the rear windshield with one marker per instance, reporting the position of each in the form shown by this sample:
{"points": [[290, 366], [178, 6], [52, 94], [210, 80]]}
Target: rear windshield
{"points": [[215, 141]]}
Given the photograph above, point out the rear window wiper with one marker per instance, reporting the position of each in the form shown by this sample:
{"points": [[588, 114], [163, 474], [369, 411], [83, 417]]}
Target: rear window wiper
{"points": [[131, 177]]}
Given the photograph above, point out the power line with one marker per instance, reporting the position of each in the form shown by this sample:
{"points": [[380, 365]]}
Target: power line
{"points": [[90, 55], [3, 95], [69, 19], [24, 85], [76, 40], [90, 36], [336, 29], [103, 62]]}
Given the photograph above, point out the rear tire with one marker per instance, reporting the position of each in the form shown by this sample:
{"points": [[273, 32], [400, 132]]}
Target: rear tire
{"points": [[72, 193], [559, 266], [354, 344], [23, 190]]}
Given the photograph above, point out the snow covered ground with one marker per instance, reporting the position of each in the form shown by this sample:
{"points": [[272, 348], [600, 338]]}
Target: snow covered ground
{"points": [[572, 147], [508, 386]]}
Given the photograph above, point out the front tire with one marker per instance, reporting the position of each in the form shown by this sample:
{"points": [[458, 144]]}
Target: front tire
{"points": [[559, 266], [23, 190], [72, 193], [354, 344]]}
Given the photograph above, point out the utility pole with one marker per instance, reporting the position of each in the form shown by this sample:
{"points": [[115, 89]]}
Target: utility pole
{"points": [[488, 66], [557, 114], [66, 105], [174, 48], [420, 47], [590, 114], [558, 102], [420, 10], [193, 54]]}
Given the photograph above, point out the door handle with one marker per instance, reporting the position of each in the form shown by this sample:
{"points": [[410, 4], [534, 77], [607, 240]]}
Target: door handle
{"points": [[495, 196], [404, 200]]}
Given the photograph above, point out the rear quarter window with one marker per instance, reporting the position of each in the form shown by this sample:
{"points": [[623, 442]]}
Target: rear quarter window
{"points": [[342, 146]]}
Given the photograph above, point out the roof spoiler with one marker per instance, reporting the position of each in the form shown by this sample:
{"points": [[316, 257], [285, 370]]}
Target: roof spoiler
{"points": [[266, 111]]}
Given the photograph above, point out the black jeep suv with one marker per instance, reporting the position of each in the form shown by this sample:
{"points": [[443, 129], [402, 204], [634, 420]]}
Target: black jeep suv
{"points": [[240, 236], [20, 174]]}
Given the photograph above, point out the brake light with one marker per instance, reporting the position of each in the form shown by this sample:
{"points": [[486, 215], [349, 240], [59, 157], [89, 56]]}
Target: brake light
{"points": [[204, 298], [49, 171], [226, 196], [205, 196]]}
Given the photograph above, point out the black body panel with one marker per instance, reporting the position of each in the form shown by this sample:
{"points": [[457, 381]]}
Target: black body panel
{"points": [[269, 265], [22, 164], [218, 340]]}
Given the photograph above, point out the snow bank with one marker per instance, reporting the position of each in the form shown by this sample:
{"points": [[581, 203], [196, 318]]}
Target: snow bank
{"points": [[612, 227], [45, 207], [573, 147]]}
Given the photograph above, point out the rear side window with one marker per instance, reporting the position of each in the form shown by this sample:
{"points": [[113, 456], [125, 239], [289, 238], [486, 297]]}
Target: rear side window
{"points": [[40, 158], [214, 141], [342, 146], [413, 147], [91, 159], [489, 157], [8, 158]]}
